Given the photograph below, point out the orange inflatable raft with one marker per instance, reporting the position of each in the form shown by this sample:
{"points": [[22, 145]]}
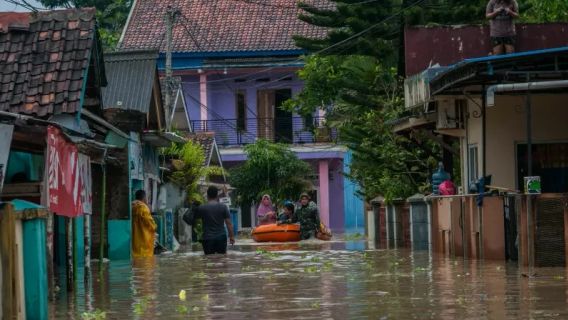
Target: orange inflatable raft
{"points": [[276, 233]]}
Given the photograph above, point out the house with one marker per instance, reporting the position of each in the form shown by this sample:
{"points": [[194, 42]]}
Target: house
{"points": [[132, 101], [506, 113], [53, 136], [238, 64]]}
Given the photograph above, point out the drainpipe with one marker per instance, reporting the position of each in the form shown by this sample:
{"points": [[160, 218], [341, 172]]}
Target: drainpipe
{"points": [[527, 87]]}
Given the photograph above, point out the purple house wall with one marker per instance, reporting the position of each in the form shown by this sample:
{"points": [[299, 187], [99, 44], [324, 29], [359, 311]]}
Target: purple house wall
{"points": [[256, 52]]}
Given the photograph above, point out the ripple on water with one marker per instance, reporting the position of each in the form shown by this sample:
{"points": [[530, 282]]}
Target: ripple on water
{"points": [[318, 281]]}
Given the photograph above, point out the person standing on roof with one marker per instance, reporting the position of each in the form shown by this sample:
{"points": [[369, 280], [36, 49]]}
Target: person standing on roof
{"points": [[501, 15]]}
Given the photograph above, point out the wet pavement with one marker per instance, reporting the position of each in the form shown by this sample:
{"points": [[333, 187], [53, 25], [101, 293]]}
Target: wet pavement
{"points": [[315, 280]]}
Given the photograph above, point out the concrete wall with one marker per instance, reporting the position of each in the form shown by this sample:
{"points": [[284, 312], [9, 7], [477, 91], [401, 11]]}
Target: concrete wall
{"points": [[506, 127]]}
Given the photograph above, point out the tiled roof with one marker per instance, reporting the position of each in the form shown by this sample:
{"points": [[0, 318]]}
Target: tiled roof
{"points": [[207, 141], [219, 25], [131, 77], [43, 59]]}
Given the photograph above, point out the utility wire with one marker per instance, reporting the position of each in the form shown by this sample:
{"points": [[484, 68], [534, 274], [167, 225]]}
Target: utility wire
{"points": [[352, 37], [299, 60]]}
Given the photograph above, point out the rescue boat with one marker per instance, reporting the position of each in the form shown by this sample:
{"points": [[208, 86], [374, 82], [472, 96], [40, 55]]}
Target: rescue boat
{"points": [[276, 233]]}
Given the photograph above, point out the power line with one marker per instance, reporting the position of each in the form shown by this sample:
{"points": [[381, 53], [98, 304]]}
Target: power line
{"points": [[352, 37]]}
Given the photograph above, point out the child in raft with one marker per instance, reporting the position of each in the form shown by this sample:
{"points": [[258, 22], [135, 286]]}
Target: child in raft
{"points": [[287, 216]]}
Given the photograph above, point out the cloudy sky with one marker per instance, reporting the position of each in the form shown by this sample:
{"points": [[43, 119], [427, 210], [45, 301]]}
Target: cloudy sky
{"points": [[6, 6]]}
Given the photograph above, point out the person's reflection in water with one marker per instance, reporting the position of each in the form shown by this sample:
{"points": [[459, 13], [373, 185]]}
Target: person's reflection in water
{"points": [[144, 286]]}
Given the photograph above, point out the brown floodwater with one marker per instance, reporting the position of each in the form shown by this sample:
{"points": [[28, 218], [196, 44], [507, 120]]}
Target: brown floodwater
{"points": [[315, 280]]}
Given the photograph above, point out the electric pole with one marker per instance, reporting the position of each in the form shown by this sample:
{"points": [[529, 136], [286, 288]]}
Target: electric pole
{"points": [[168, 82]]}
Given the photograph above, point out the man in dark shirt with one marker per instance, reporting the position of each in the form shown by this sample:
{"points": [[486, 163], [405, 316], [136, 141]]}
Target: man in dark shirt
{"points": [[215, 217]]}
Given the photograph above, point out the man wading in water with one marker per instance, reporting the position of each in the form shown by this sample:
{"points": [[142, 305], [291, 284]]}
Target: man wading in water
{"points": [[215, 217]]}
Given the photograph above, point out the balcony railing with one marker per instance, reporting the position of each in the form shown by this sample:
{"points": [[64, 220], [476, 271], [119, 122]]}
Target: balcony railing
{"points": [[290, 130]]}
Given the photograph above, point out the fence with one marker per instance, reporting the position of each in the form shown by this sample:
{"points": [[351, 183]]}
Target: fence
{"points": [[291, 130]]}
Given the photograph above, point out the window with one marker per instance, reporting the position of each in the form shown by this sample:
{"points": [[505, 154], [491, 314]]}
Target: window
{"points": [[473, 165], [241, 110], [309, 122]]}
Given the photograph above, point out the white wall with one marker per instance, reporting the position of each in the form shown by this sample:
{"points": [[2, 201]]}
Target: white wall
{"points": [[506, 127]]}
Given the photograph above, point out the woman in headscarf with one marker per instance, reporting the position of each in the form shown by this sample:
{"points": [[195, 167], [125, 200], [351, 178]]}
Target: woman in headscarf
{"points": [[265, 211]]}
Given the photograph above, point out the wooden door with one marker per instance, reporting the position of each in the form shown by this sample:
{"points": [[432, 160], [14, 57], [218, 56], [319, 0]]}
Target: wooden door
{"points": [[265, 114]]}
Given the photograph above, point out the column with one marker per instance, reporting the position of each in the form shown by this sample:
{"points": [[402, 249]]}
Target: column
{"points": [[203, 97], [324, 191]]}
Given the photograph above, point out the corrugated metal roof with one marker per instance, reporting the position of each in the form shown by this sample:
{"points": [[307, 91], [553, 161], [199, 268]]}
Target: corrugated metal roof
{"points": [[131, 76], [467, 71]]}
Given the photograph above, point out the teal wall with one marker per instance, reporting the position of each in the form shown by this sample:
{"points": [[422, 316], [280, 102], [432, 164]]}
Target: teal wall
{"points": [[353, 205], [119, 234], [30, 164], [79, 243], [35, 268]]}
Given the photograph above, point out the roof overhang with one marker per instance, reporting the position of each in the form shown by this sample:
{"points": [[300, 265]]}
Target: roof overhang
{"points": [[471, 74], [161, 139]]}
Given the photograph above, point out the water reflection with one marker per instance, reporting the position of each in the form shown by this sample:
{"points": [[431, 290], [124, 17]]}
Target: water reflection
{"points": [[316, 280]]}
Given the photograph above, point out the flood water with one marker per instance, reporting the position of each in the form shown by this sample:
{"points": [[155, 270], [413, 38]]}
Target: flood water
{"points": [[315, 280]]}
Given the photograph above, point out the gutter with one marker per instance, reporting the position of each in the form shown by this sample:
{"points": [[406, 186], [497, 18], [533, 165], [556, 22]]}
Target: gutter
{"points": [[105, 124], [526, 86]]}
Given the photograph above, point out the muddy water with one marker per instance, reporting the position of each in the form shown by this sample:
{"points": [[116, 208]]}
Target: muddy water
{"points": [[344, 280]]}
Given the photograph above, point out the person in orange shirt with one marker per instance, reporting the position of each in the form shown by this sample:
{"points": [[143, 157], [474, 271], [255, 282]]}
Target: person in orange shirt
{"points": [[143, 227]]}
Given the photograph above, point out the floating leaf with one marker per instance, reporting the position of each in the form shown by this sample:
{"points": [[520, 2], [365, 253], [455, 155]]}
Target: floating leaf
{"points": [[182, 295]]}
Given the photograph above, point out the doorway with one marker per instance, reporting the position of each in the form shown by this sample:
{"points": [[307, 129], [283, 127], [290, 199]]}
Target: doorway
{"points": [[274, 123]]}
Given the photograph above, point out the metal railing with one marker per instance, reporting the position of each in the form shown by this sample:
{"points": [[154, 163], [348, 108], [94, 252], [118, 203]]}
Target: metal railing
{"points": [[289, 130]]}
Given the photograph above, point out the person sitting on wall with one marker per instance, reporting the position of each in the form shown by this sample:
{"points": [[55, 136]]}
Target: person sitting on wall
{"points": [[143, 227], [307, 214], [287, 216], [265, 212], [501, 14]]}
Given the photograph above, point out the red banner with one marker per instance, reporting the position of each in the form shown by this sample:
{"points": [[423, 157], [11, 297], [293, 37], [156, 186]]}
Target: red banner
{"points": [[65, 186]]}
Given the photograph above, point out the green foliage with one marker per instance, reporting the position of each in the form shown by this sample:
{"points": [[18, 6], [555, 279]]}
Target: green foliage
{"points": [[189, 172], [539, 11], [366, 99], [111, 16], [270, 169]]}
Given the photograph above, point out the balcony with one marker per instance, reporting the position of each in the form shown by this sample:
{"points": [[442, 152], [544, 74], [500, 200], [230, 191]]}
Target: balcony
{"points": [[288, 130]]}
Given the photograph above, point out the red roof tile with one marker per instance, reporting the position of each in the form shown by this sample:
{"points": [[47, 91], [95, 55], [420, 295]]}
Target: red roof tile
{"points": [[43, 57], [220, 25]]}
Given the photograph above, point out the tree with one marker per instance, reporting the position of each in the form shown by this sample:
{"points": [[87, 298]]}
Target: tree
{"points": [[189, 170], [545, 11], [366, 99], [270, 169], [111, 16]]}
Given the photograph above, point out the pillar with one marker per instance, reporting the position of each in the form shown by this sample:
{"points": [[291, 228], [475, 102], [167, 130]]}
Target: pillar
{"points": [[324, 191], [35, 268], [203, 98]]}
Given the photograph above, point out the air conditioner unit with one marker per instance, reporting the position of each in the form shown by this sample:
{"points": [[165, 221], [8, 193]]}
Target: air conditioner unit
{"points": [[447, 118]]}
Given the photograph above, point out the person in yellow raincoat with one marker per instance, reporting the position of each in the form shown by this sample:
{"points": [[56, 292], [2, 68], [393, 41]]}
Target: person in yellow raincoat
{"points": [[143, 227]]}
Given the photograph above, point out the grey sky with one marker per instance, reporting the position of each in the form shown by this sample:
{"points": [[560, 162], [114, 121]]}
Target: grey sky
{"points": [[6, 6]]}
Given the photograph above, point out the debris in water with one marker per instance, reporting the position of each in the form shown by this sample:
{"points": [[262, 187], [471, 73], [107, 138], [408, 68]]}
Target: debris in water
{"points": [[182, 295]]}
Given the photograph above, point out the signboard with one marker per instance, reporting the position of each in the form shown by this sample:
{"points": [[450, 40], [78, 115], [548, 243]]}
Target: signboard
{"points": [[69, 176], [85, 182], [226, 201], [532, 185], [5, 141], [135, 157]]}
